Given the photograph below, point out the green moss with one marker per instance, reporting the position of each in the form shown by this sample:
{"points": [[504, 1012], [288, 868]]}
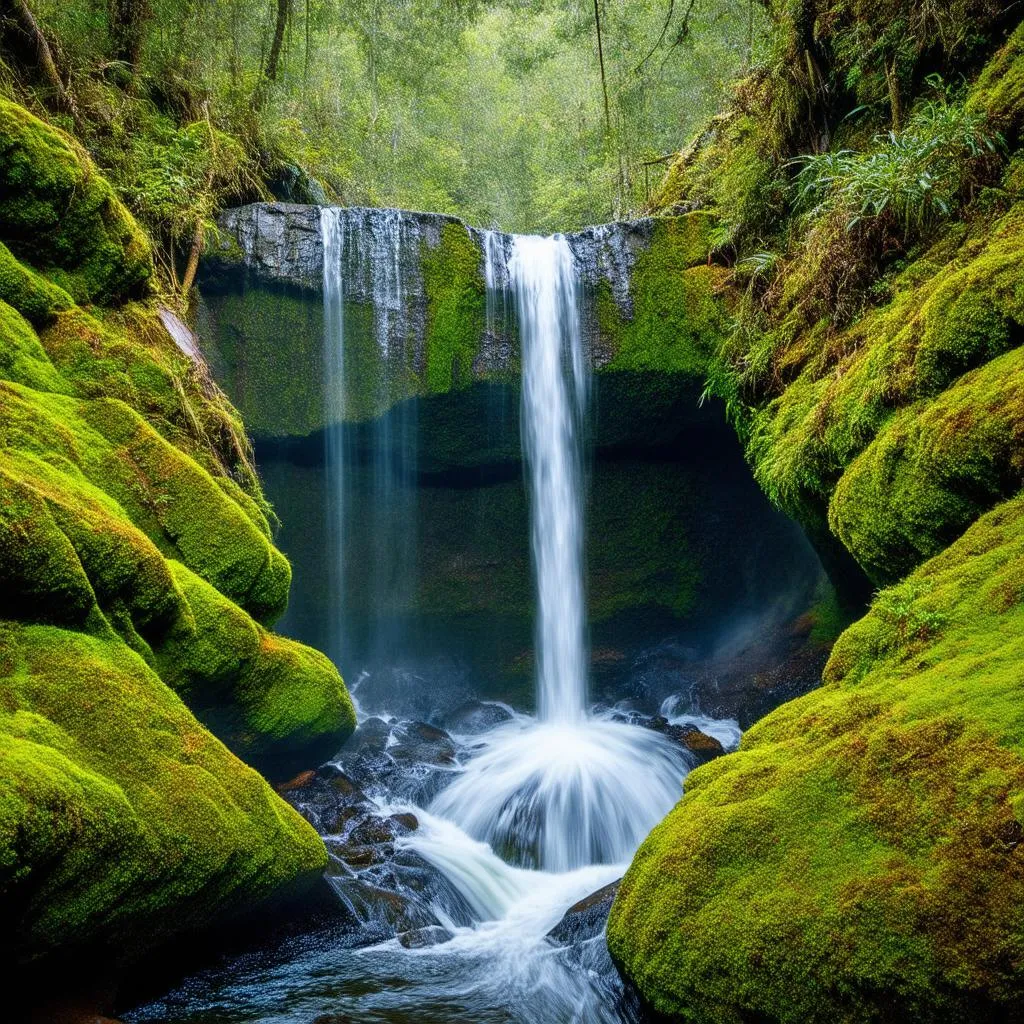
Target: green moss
{"points": [[860, 857], [958, 310], [264, 695], [59, 214], [122, 821], [454, 286], [244, 327], [22, 358], [28, 292], [933, 470], [164, 492], [678, 321], [999, 90]]}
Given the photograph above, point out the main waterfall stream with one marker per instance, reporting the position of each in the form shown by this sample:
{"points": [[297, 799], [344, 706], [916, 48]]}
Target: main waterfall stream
{"points": [[455, 853]]}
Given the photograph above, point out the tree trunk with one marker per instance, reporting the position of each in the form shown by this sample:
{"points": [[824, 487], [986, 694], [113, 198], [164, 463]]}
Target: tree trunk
{"points": [[600, 60], [895, 95], [21, 15], [192, 267], [284, 10], [128, 19]]}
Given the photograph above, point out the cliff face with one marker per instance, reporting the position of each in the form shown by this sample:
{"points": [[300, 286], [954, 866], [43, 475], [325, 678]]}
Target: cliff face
{"points": [[859, 858], [438, 328], [138, 583]]}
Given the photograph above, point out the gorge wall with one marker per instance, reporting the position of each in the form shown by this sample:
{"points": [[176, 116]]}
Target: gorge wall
{"points": [[685, 557], [859, 858]]}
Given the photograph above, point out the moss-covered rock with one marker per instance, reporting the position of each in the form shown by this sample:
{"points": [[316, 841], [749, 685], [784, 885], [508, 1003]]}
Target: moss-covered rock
{"points": [[58, 213], [122, 820], [265, 695], [861, 857], [678, 320], [31, 294], [135, 560], [454, 285], [851, 399]]}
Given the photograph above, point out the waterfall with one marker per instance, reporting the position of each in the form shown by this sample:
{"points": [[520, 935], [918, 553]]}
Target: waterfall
{"points": [[569, 790], [333, 234], [371, 259], [543, 279]]}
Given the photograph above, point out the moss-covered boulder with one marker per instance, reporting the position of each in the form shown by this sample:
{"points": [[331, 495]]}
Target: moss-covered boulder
{"points": [[862, 857], [137, 576], [122, 820], [60, 214]]}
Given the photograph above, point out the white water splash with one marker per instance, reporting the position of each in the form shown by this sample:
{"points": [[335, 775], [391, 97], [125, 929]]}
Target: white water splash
{"points": [[563, 795]]}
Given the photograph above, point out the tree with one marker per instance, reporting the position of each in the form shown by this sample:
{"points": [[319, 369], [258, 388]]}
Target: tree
{"points": [[128, 20], [19, 16]]}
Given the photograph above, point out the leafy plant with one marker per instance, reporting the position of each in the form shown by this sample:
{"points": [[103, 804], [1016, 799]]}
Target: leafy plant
{"points": [[914, 177]]}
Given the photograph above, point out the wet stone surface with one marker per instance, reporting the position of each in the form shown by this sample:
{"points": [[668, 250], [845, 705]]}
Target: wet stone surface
{"points": [[586, 919], [387, 889]]}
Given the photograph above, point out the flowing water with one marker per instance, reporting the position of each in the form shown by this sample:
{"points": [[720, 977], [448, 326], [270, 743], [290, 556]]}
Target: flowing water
{"points": [[531, 814], [370, 255]]}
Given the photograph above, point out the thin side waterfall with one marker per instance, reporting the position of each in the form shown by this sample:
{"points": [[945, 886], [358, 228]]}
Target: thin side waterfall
{"points": [[370, 264], [543, 279], [333, 234]]}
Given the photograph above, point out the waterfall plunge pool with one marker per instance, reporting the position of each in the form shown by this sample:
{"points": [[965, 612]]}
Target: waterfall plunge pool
{"points": [[456, 850]]}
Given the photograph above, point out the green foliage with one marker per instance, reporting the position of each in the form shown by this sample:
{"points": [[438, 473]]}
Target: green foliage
{"points": [[917, 175], [491, 109], [860, 857], [454, 285], [180, 175], [927, 472]]}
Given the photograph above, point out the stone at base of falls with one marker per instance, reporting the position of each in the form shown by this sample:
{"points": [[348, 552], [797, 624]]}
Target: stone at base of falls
{"points": [[703, 747], [586, 919], [423, 938], [475, 717], [408, 760], [386, 890]]}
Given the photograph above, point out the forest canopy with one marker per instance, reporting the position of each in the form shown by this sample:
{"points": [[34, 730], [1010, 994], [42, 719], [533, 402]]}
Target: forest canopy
{"points": [[531, 115]]}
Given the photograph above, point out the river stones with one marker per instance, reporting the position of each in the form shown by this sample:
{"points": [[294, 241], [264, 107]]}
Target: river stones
{"points": [[586, 919], [404, 760], [475, 717], [703, 747], [422, 938]]}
